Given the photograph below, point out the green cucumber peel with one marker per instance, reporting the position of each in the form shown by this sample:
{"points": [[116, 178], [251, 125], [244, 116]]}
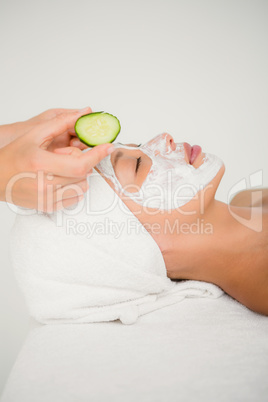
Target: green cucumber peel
{"points": [[97, 128]]}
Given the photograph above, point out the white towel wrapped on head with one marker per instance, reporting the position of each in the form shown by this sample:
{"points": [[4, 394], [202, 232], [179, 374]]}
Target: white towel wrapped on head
{"points": [[94, 262]]}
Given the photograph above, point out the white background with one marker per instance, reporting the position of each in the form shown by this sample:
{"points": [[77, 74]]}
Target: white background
{"points": [[196, 69]]}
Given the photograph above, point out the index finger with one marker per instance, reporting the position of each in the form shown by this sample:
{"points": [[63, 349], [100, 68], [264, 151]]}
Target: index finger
{"points": [[43, 133], [74, 165]]}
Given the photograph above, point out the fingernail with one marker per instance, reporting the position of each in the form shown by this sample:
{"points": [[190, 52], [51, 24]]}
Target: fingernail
{"points": [[110, 150], [76, 143]]}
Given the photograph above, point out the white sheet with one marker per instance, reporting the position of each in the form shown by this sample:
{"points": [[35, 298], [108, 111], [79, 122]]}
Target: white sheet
{"points": [[198, 350]]}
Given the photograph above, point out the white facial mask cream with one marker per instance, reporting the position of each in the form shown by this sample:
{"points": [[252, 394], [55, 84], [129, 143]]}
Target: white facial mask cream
{"points": [[171, 181]]}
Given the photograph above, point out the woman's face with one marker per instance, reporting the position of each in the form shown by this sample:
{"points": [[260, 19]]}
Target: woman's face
{"points": [[161, 174]]}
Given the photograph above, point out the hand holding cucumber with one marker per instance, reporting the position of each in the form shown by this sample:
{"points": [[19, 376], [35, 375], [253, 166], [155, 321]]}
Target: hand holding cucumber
{"points": [[10, 132], [34, 177]]}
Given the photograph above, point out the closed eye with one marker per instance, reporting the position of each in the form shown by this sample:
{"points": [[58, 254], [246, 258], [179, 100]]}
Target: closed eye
{"points": [[138, 164]]}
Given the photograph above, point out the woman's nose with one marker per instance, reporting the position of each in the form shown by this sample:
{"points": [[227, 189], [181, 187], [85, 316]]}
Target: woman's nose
{"points": [[162, 143], [170, 144]]}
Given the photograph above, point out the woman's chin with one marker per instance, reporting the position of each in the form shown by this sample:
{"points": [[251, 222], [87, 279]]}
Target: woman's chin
{"points": [[199, 160]]}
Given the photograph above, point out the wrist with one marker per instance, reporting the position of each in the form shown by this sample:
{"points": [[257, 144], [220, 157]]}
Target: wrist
{"points": [[10, 132], [3, 167]]}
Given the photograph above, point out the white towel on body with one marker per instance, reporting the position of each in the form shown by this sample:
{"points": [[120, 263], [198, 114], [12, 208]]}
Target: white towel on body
{"points": [[93, 262]]}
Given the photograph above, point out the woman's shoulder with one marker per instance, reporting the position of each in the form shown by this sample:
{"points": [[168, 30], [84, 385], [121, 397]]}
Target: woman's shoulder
{"points": [[251, 198]]}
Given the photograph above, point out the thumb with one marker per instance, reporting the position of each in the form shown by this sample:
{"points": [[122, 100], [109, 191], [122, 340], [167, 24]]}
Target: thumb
{"points": [[44, 133], [74, 163]]}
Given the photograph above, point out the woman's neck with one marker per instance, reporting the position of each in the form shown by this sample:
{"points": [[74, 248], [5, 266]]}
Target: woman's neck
{"points": [[234, 255], [222, 237]]}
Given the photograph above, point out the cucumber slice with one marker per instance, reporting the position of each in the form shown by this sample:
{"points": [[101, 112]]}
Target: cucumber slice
{"points": [[97, 128]]}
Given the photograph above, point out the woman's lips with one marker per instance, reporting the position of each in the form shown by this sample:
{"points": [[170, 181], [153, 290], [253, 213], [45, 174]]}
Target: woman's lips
{"points": [[196, 150], [192, 152]]}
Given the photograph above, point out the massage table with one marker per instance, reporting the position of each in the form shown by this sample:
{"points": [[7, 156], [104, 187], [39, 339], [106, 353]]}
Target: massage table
{"points": [[197, 350]]}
